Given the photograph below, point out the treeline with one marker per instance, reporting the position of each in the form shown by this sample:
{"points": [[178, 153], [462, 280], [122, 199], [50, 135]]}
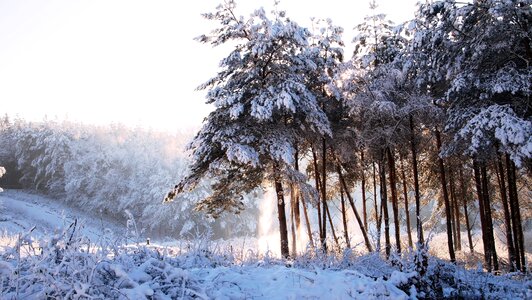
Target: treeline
{"points": [[436, 109], [106, 170]]}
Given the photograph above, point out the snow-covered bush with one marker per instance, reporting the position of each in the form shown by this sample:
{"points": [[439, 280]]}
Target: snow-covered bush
{"points": [[68, 265]]}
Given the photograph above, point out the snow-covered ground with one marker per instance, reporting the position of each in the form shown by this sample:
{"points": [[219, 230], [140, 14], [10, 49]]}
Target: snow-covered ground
{"points": [[91, 258], [20, 211]]}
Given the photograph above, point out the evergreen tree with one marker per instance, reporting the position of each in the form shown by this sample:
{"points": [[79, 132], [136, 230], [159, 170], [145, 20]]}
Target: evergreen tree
{"points": [[262, 105]]}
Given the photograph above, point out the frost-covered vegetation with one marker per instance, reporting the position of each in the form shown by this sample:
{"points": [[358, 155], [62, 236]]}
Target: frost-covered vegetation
{"points": [[110, 171], [68, 265]]}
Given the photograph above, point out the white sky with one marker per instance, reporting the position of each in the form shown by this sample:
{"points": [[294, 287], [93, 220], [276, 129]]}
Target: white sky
{"points": [[132, 62]]}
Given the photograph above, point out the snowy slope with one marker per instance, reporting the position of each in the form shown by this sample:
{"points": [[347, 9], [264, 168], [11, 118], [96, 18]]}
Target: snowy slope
{"points": [[22, 210]]}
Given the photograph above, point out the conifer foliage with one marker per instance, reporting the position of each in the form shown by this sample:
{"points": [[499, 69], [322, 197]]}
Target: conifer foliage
{"points": [[262, 106]]}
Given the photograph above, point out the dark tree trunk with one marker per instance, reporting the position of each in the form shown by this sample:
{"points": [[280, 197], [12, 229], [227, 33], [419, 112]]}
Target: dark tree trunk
{"points": [[309, 230], [507, 218], [324, 193], [292, 223], [395, 205], [344, 218], [295, 214], [456, 211], [378, 219], [317, 182], [297, 211], [516, 215], [453, 222], [463, 191], [357, 216], [480, 195], [384, 205], [419, 225], [421, 261], [407, 210], [489, 220], [364, 208], [285, 252], [443, 181]]}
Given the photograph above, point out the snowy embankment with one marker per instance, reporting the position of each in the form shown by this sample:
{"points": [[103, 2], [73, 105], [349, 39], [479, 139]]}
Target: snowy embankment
{"points": [[46, 253]]}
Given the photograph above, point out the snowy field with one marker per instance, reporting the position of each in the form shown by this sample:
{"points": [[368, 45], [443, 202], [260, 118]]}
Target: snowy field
{"points": [[46, 254]]}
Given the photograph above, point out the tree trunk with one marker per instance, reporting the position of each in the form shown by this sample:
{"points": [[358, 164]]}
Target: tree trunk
{"points": [[443, 181], [357, 216], [363, 183], [282, 216], [421, 260], [324, 193], [456, 210], [463, 191], [344, 218], [377, 215], [480, 195], [453, 222], [395, 205], [309, 230], [507, 219], [407, 210], [317, 182], [516, 215], [295, 215], [419, 225], [489, 220], [293, 221], [384, 205], [297, 211]]}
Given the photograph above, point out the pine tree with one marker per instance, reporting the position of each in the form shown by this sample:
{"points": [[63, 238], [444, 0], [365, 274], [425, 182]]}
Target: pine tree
{"points": [[368, 86], [262, 105]]}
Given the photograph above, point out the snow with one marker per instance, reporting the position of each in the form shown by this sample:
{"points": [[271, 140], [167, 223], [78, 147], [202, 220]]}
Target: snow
{"points": [[263, 282], [57, 260], [21, 210]]}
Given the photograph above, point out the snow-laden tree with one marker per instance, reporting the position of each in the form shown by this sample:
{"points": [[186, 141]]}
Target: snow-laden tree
{"points": [[41, 150], [377, 41], [475, 59], [262, 105], [373, 86], [325, 50], [478, 63]]}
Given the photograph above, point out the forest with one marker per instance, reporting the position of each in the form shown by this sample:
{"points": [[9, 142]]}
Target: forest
{"points": [[436, 109], [426, 126]]}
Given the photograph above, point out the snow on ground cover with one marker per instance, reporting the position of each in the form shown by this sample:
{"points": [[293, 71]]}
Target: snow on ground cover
{"points": [[62, 261], [62, 269]]}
